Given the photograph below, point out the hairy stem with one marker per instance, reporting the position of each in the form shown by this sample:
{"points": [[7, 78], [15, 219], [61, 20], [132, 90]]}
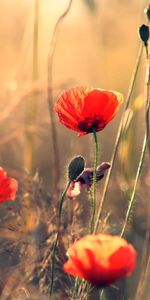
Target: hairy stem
{"points": [[61, 201], [93, 198], [145, 143], [132, 200], [119, 134], [32, 105], [145, 252]]}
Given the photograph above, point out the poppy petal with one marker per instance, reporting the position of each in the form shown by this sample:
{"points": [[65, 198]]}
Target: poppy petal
{"points": [[8, 187], [86, 109]]}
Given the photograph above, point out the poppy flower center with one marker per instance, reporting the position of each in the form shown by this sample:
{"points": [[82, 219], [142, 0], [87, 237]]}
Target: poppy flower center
{"points": [[92, 123]]}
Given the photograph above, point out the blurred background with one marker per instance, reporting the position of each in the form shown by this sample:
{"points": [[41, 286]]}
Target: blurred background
{"points": [[96, 46]]}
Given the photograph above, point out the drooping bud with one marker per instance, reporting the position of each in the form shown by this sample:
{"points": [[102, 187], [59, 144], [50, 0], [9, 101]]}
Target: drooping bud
{"points": [[147, 12], [144, 33], [76, 167], [86, 177]]}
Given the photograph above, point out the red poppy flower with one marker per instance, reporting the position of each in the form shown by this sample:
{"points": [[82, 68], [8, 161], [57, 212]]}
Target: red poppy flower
{"points": [[100, 259], [8, 187], [87, 109]]}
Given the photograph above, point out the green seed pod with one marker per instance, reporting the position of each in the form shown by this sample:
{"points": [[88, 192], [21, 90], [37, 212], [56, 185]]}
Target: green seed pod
{"points": [[144, 33], [76, 167]]}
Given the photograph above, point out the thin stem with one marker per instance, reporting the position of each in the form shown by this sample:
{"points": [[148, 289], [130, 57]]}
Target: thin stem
{"points": [[131, 203], [102, 295], [83, 284], [119, 134], [32, 105], [148, 100], [144, 260], [145, 252], [93, 198], [56, 167], [35, 70], [145, 143], [61, 201]]}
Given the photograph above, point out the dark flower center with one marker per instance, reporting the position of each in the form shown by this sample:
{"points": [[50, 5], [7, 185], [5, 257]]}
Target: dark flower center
{"points": [[92, 123]]}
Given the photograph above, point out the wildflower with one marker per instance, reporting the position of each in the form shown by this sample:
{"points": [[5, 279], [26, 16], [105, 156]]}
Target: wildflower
{"points": [[100, 259], [85, 179], [8, 187], [87, 109]]}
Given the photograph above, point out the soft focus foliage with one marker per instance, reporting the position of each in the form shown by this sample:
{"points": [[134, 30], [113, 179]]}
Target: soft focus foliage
{"points": [[96, 45]]}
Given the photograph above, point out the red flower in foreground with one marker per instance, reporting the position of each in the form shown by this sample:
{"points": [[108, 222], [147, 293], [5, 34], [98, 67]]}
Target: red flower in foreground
{"points": [[100, 259], [8, 187], [87, 109]]}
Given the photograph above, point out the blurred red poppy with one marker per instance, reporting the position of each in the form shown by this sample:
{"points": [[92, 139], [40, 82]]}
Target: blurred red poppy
{"points": [[8, 187], [87, 109], [100, 259]]}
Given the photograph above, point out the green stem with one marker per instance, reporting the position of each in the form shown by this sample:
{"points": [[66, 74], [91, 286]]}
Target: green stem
{"points": [[31, 110], [145, 251], [54, 136], [118, 138], [132, 200], [147, 100], [102, 295], [93, 198], [61, 201], [35, 71], [145, 143]]}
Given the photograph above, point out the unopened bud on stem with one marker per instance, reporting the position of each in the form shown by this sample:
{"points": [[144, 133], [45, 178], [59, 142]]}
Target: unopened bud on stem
{"points": [[76, 167], [144, 34]]}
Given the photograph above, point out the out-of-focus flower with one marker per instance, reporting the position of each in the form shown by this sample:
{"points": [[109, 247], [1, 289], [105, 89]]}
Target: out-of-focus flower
{"points": [[100, 259], [8, 187], [85, 179], [87, 109]]}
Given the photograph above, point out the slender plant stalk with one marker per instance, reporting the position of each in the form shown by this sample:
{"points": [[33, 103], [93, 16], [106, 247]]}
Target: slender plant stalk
{"points": [[145, 143], [31, 111], [35, 70], [144, 261], [93, 198], [132, 200], [61, 201], [83, 285], [56, 164], [102, 295], [119, 134], [148, 101], [145, 252]]}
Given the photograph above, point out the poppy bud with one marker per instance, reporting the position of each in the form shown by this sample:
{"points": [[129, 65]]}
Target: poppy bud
{"points": [[144, 33], [147, 11], [76, 167]]}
